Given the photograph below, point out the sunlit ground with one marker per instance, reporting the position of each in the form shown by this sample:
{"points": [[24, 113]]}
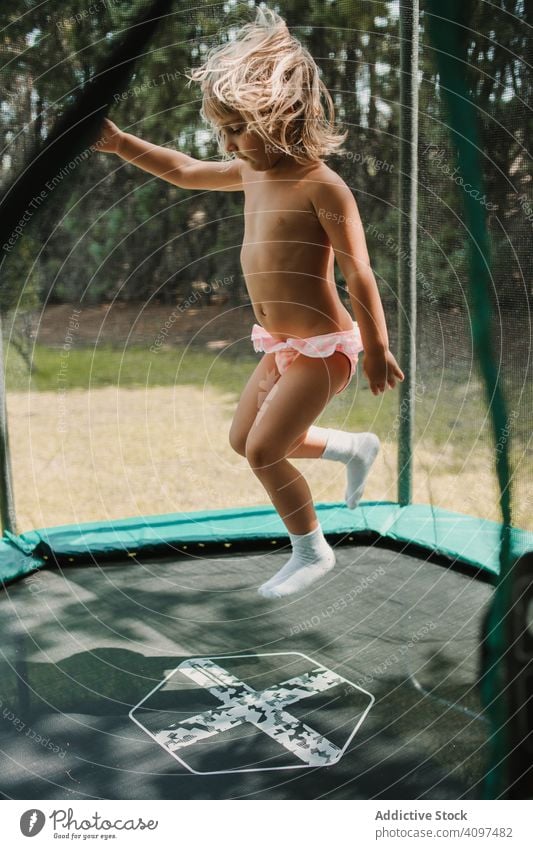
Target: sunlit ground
{"points": [[117, 435]]}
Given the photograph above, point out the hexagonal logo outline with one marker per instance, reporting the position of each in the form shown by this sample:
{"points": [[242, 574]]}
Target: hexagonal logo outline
{"points": [[265, 710]]}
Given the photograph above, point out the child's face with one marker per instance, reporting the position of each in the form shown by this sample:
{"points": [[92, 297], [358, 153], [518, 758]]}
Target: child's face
{"points": [[248, 145]]}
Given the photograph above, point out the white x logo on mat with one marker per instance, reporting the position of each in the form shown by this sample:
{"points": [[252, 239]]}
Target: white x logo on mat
{"points": [[264, 709]]}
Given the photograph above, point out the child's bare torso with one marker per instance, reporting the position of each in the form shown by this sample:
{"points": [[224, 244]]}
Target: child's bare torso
{"points": [[286, 257]]}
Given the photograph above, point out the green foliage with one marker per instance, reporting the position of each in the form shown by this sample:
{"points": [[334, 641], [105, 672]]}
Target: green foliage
{"points": [[20, 288], [127, 235]]}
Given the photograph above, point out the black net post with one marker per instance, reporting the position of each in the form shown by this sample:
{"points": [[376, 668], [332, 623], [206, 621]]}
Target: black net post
{"points": [[409, 16], [7, 502]]}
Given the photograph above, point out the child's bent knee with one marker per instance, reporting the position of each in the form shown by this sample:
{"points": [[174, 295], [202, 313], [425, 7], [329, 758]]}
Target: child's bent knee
{"points": [[260, 454], [238, 442]]}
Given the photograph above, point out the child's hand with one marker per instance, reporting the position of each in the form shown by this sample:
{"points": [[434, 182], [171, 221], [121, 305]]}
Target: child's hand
{"points": [[382, 371], [110, 138]]}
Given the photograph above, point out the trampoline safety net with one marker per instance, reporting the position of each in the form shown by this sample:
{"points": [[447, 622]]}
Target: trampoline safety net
{"points": [[127, 283], [126, 344]]}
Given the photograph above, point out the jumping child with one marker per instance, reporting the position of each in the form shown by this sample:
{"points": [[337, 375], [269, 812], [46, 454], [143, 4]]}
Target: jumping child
{"points": [[274, 120]]}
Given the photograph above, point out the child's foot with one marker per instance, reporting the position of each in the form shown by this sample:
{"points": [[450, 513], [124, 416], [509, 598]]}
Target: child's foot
{"points": [[311, 558], [357, 451], [301, 578]]}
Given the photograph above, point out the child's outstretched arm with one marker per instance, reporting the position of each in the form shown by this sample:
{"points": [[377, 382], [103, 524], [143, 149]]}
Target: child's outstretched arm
{"points": [[337, 212], [171, 165]]}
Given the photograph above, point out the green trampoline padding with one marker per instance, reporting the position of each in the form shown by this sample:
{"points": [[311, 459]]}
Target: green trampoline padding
{"points": [[474, 542]]}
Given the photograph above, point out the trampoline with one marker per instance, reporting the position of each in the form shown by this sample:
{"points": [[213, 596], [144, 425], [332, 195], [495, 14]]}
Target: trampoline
{"points": [[137, 660], [115, 631]]}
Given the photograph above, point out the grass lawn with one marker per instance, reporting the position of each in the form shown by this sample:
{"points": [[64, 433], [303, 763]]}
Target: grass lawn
{"points": [[104, 433]]}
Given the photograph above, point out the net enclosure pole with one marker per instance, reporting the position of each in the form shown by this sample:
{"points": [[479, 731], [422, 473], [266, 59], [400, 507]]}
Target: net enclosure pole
{"points": [[7, 502], [407, 203]]}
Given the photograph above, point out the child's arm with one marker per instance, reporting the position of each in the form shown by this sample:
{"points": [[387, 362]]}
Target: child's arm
{"points": [[337, 212], [178, 168]]}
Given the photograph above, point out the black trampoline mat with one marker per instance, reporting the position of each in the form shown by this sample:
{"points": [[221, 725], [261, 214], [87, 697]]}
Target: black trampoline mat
{"points": [[171, 679]]}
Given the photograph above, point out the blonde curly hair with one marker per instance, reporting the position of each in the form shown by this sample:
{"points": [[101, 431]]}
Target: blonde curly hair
{"points": [[273, 82]]}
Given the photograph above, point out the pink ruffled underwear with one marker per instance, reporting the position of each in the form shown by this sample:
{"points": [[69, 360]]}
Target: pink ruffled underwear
{"points": [[347, 342]]}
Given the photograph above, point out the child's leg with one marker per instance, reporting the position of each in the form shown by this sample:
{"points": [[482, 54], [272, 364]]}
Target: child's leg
{"points": [[292, 405], [296, 400], [259, 384], [356, 450]]}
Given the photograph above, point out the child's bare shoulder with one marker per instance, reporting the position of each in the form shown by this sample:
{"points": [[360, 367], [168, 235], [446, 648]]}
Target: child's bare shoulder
{"points": [[324, 181]]}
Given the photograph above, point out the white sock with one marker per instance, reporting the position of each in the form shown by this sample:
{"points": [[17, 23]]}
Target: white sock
{"points": [[357, 451], [311, 558]]}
